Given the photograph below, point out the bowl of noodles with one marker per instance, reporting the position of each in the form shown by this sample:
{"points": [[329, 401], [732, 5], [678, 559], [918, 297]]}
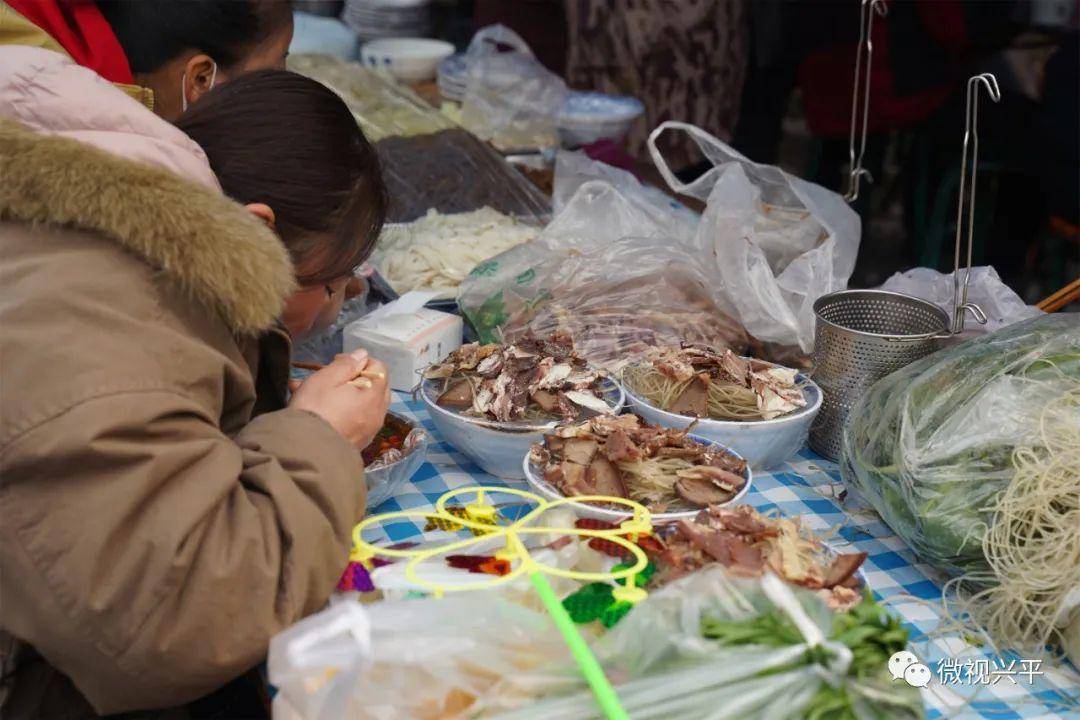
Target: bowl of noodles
{"points": [[492, 402], [761, 410], [672, 473]]}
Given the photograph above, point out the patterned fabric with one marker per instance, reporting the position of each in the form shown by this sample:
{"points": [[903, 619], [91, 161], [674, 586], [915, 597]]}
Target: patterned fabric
{"points": [[685, 59], [810, 487]]}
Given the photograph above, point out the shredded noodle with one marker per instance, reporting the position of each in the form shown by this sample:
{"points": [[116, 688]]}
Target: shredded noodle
{"points": [[1032, 543], [727, 401]]}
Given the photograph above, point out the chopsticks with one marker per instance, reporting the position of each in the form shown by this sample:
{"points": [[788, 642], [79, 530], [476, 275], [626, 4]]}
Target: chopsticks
{"points": [[361, 381], [1061, 298]]}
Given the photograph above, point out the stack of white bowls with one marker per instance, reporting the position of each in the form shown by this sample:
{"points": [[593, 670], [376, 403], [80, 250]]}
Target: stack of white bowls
{"points": [[376, 19], [453, 77]]}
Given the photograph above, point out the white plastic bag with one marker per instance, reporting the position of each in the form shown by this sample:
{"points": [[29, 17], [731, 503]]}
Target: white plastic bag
{"points": [[778, 242], [1001, 305], [574, 169], [415, 659], [609, 273], [511, 99]]}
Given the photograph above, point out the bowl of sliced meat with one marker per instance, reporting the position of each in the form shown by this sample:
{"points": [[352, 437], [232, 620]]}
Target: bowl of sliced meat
{"points": [[761, 410], [671, 472], [493, 402]]}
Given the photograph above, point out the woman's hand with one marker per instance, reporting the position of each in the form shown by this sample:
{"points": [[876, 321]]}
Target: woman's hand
{"points": [[356, 413]]}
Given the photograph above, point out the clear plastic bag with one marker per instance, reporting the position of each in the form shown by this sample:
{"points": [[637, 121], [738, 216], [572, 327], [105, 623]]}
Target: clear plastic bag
{"points": [[511, 99], [483, 655], [452, 172], [663, 667], [1001, 305], [777, 242], [574, 169], [931, 445], [382, 106], [413, 659], [608, 273]]}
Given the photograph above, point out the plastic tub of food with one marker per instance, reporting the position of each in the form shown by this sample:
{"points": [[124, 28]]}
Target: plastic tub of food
{"points": [[497, 447], [764, 443], [535, 477], [410, 60], [393, 457], [590, 116]]}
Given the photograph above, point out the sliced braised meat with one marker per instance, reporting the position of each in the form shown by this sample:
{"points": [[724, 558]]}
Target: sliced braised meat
{"points": [[490, 366], [735, 368], [553, 443], [458, 395], [701, 491], [569, 410], [604, 478], [842, 568], [724, 478], [739, 521], [620, 447], [694, 399], [674, 368], [547, 401], [692, 452], [574, 481], [580, 451], [727, 462], [746, 557]]}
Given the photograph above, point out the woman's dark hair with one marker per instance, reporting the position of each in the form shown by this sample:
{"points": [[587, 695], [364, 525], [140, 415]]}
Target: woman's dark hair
{"points": [[152, 32], [285, 140]]}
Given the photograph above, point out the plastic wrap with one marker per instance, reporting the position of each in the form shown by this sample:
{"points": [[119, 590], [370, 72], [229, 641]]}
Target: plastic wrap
{"points": [[382, 106], [574, 169], [452, 171], [1001, 305], [510, 99], [777, 242], [663, 667], [609, 273], [412, 659], [930, 445], [480, 654]]}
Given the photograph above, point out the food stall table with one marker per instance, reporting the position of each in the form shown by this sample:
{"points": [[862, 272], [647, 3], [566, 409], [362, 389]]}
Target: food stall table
{"points": [[975, 686]]}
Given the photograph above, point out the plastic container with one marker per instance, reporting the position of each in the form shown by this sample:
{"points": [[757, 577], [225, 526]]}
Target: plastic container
{"points": [[590, 116], [764, 443], [542, 487], [497, 447], [384, 480], [410, 60]]}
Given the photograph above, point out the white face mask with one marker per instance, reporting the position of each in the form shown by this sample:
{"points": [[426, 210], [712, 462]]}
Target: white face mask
{"points": [[183, 87]]}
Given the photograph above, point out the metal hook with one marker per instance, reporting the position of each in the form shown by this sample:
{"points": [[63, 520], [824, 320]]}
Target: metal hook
{"points": [[866, 25], [971, 137]]}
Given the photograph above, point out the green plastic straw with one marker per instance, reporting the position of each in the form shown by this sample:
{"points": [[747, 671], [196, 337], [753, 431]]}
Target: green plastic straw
{"points": [[590, 668]]}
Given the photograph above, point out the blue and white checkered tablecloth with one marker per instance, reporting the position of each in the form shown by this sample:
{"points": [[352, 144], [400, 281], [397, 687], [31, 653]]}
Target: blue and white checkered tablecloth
{"points": [[809, 486]]}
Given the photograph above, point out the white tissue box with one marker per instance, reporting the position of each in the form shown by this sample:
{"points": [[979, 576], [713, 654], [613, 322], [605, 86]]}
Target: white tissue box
{"points": [[407, 342]]}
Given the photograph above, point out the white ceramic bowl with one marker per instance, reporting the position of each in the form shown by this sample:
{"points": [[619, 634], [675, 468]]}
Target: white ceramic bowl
{"points": [[410, 60], [495, 446], [764, 443], [542, 487]]}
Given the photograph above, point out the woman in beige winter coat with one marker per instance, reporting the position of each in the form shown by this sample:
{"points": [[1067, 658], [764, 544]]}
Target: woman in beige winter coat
{"points": [[164, 508]]}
